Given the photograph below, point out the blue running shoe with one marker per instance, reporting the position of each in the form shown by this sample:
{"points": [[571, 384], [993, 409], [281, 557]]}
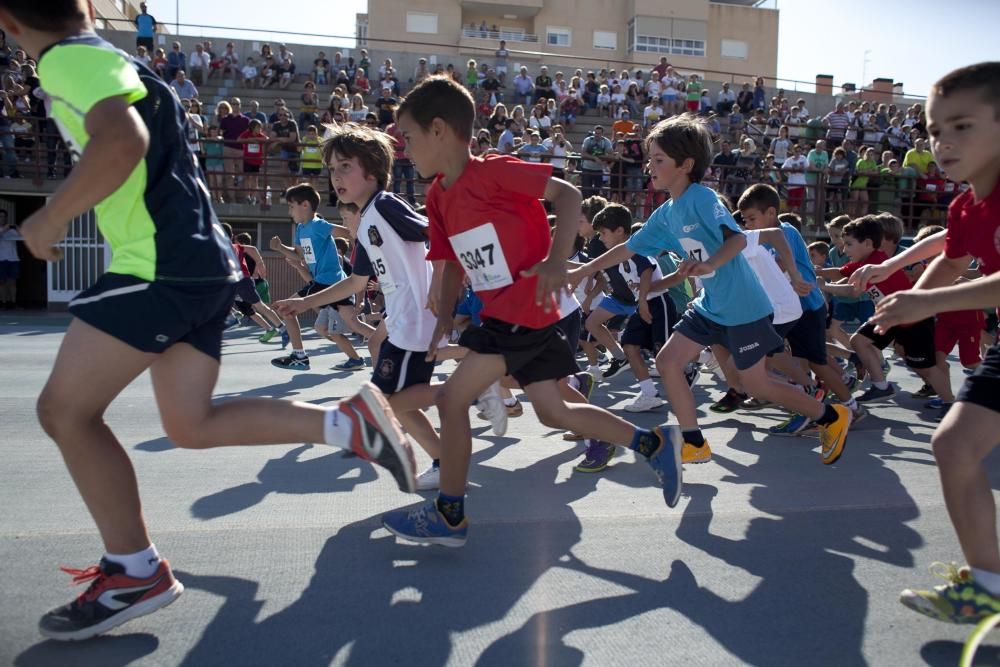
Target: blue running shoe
{"points": [[285, 339], [666, 463], [351, 365], [425, 525], [934, 404], [793, 426]]}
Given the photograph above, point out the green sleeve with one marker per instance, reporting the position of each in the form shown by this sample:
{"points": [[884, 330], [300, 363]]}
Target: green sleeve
{"points": [[81, 75]]}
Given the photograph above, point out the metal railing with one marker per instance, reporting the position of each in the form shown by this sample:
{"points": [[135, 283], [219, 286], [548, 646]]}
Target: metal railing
{"points": [[506, 35]]}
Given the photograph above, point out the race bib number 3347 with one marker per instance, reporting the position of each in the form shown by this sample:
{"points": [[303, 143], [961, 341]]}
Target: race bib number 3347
{"points": [[479, 252]]}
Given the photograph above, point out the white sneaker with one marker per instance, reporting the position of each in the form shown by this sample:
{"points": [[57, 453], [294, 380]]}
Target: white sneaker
{"points": [[595, 372], [643, 403], [491, 404], [429, 479]]}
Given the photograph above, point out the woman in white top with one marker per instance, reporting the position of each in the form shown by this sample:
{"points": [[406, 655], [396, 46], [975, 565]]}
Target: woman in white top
{"points": [[780, 145], [358, 110], [540, 122]]}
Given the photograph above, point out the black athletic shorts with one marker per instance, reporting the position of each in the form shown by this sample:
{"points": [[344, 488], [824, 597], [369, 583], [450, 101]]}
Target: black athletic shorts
{"points": [[246, 291], [153, 316], [917, 341], [245, 308], [397, 369], [652, 336], [531, 355], [572, 327], [807, 339], [983, 386]]}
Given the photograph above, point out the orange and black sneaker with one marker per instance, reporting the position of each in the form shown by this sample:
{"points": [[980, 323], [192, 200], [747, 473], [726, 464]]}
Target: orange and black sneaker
{"points": [[378, 437], [112, 598]]}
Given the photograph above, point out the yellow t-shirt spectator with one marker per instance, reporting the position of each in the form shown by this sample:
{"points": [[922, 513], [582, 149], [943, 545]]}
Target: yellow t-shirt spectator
{"points": [[918, 160]]}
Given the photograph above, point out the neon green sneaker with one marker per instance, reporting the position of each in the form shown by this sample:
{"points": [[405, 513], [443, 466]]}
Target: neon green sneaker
{"points": [[961, 600], [268, 335]]}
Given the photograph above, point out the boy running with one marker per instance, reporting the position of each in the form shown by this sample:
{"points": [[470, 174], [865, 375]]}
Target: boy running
{"points": [[963, 114], [732, 311], [486, 221], [161, 306]]}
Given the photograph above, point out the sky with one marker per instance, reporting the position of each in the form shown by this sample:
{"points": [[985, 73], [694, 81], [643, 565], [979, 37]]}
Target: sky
{"points": [[915, 42]]}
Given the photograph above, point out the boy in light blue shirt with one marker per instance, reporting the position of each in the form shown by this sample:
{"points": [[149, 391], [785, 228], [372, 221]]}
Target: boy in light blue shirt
{"points": [[733, 311]]}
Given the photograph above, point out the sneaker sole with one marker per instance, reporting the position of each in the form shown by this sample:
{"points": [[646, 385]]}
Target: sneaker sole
{"points": [[379, 407], [675, 439], [629, 408], [838, 449], [135, 611], [440, 541], [618, 372], [350, 369], [290, 368]]}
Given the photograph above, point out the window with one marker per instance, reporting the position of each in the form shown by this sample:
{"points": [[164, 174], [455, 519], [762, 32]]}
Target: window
{"points": [[605, 40], [679, 37], [688, 47], [732, 48], [556, 36], [652, 44], [421, 22], [630, 38]]}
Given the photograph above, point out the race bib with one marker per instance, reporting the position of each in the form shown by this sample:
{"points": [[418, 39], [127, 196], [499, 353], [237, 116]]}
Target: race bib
{"points": [[696, 253], [875, 293], [307, 251], [481, 256], [381, 270], [253, 148]]}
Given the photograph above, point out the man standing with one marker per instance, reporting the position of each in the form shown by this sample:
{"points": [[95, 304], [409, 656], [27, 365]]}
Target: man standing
{"points": [[199, 64], [501, 66], [523, 87], [145, 26], [595, 150]]}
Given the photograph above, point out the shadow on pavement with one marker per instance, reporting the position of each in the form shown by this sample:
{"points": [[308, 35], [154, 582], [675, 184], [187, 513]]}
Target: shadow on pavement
{"points": [[110, 651], [944, 653]]}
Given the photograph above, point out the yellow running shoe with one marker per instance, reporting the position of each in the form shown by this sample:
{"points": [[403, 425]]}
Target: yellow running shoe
{"points": [[692, 454], [833, 436]]}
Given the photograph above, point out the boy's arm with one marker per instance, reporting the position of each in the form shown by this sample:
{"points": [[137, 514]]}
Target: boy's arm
{"points": [[932, 246], [616, 255], [336, 292], [289, 252], [645, 280], [829, 272], [840, 289], [118, 142], [261, 269], [918, 304], [776, 237], [449, 288], [340, 231], [733, 245], [551, 271], [667, 281]]}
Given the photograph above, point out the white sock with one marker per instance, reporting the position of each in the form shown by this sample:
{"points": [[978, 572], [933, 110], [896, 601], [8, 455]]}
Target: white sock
{"points": [[141, 564], [281, 328], [988, 580], [573, 382], [620, 356], [337, 429], [852, 405], [510, 402], [298, 353], [593, 369], [646, 387], [884, 384]]}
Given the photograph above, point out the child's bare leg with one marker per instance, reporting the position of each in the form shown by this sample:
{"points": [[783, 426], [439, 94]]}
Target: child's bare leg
{"points": [[471, 378], [595, 325], [583, 418], [671, 362], [968, 433]]}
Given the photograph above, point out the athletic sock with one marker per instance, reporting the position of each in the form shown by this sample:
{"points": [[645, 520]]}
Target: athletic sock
{"points": [[510, 402], [620, 356], [988, 580], [852, 405], [298, 353], [884, 384], [829, 416], [647, 388], [645, 442], [694, 437], [141, 564], [337, 428], [573, 382], [452, 508], [594, 369]]}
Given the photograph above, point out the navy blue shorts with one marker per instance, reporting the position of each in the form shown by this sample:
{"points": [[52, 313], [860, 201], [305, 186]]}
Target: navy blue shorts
{"points": [[807, 339], [860, 311], [10, 270], [153, 316], [748, 343], [572, 327], [983, 386], [246, 291], [651, 336], [397, 369]]}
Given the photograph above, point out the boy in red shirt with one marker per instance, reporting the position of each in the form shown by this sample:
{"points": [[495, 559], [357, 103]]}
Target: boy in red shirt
{"points": [[253, 141], [964, 121], [862, 238], [486, 222]]}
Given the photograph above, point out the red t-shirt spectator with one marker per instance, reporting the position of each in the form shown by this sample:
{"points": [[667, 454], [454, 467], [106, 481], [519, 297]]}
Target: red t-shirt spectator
{"points": [[929, 190], [253, 152], [491, 221], [974, 229], [895, 282], [398, 143]]}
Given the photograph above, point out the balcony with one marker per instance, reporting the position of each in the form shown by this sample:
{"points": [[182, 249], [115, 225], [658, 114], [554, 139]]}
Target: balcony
{"points": [[493, 36], [522, 9]]}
